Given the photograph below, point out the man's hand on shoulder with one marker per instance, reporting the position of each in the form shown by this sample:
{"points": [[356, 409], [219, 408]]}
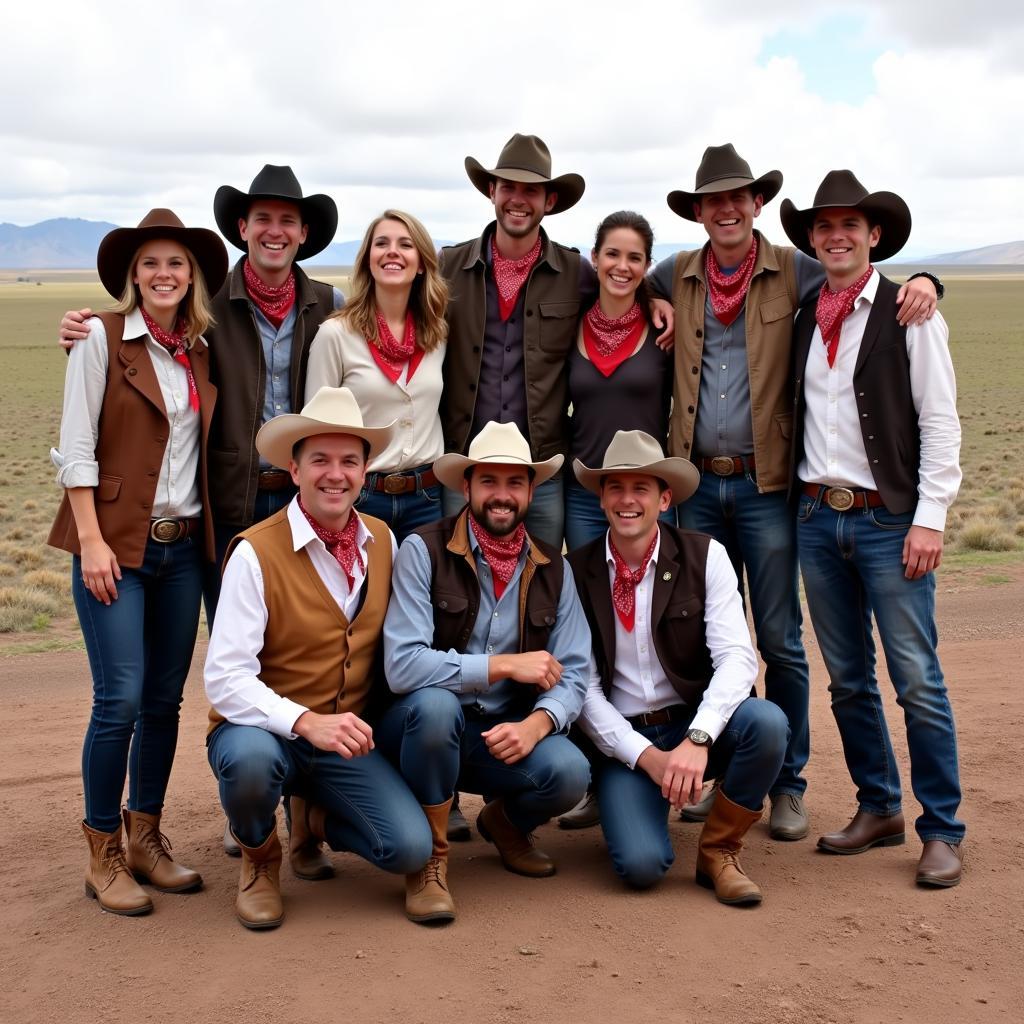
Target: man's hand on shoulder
{"points": [[664, 319], [533, 668], [72, 327], [916, 301], [345, 734], [922, 551], [512, 741], [684, 774]]}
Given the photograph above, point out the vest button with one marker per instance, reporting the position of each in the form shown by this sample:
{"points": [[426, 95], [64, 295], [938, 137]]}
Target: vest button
{"points": [[871, 437], [348, 664], [686, 444], [442, 605], [700, 333], [472, 387], [689, 409], [549, 620], [132, 372], [529, 312], [693, 369]]}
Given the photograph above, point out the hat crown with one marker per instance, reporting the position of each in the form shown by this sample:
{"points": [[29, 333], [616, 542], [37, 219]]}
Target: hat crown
{"points": [[721, 162], [276, 180], [161, 218], [499, 441], [840, 188], [632, 450], [334, 407], [526, 153]]}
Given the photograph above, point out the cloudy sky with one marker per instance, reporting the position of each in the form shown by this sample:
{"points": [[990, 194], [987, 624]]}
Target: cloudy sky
{"points": [[112, 108]]}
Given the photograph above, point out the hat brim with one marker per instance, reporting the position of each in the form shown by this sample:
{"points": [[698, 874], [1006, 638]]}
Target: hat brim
{"points": [[680, 474], [118, 248], [569, 188], [767, 186], [886, 209], [451, 469], [319, 214], [277, 437]]}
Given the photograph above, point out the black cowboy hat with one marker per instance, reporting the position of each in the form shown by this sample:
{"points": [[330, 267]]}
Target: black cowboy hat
{"points": [[722, 169], [118, 247], [319, 212], [842, 189]]}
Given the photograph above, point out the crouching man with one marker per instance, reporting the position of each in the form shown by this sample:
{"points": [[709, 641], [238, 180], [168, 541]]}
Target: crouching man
{"points": [[290, 671], [668, 700]]}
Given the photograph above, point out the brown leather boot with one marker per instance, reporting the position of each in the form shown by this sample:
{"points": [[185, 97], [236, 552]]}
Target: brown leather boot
{"points": [[259, 885], [718, 852], [149, 855], [108, 880], [517, 849], [426, 892], [305, 854]]}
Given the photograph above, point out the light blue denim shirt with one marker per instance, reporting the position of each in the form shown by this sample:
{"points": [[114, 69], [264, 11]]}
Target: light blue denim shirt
{"points": [[411, 662]]}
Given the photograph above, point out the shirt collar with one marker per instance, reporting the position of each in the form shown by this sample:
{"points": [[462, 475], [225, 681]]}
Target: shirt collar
{"points": [[134, 325], [610, 558], [869, 290], [303, 535]]}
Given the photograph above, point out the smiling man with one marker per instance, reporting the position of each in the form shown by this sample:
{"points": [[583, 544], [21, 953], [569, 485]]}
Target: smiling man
{"points": [[876, 454], [486, 645], [292, 668], [668, 701]]}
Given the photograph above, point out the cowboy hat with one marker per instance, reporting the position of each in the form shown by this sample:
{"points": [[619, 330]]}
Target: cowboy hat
{"points": [[633, 451], [842, 189], [527, 158], [498, 444], [329, 411], [722, 169], [118, 248], [319, 212]]}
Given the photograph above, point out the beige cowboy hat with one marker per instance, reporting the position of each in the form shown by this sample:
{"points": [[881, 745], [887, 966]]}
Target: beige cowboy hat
{"points": [[633, 451], [527, 158], [498, 444], [722, 169], [842, 189], [329, 411]]}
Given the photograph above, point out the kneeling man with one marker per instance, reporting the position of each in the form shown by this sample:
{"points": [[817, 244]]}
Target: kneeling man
{"points": [[293, 670], [668, 701], [486, 642]]}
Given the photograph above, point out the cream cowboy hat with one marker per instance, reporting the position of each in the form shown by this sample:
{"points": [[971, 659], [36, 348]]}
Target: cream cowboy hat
{"points": [[498, 444], [633, 451], [329, 411]]}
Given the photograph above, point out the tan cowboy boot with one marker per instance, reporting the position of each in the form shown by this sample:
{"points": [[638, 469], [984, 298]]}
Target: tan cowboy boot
{"points": [[149, 855], [718, 851], [259, 885], [108, 880], [426, 891], [517, 849], [305, 854]]}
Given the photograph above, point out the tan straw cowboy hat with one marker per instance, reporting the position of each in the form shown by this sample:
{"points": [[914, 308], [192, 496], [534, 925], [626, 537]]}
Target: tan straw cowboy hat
{"points": [[633, 451], [722, 169], [498, 444]]}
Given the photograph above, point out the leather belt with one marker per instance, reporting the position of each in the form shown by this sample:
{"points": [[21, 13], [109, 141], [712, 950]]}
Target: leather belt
{"points": [[842, 499], [273, 480], [663, 716], [403, 483], [727, 465], [170, 531]]}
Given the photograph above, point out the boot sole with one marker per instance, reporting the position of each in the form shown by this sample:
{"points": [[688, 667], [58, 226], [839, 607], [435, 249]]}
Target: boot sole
{"points": [[439, 917], [259, 926], [788, 836], [575, 825], [139, 912], [929, 882], [849, 851], [482, 829], [144, 879], [320, 875], [750, 900]]}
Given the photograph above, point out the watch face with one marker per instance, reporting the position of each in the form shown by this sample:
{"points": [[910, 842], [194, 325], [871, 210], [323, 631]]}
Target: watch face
{"points": [[700, 737]]}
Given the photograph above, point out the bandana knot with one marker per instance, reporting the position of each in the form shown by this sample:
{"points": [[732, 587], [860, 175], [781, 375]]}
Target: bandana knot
{"points": [[610, 342], [340, 543], [273, 301], [729, 291], [833, 308], [625, 583], [511, 275], [174, 342], [502, 553], [390, 354]]}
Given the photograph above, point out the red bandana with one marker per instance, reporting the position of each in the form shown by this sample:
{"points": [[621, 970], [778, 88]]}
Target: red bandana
{"points": [[390, 354], [510, 275], [611, 342], [273, 302], [174, 342], [729, 291], [502, 553], [340, 543], [626, 582], [834, 308]]}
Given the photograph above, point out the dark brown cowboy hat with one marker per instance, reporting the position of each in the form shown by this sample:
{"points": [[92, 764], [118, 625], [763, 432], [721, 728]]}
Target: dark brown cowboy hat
{"points": [[842, 189], [722, 169], [319, 212], [527, 158], [118, 248]]}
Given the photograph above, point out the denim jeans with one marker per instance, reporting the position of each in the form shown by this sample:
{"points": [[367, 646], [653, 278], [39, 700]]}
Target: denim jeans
{"points": [[544, 518], [370, 810], [437, 748], [140, 649], [852, 568], [584, 520], [402, 512], [757, 531], [634, 815]]}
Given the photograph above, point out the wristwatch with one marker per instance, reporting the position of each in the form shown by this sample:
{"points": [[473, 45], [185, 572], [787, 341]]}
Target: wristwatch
{"points": [[698, 737]]}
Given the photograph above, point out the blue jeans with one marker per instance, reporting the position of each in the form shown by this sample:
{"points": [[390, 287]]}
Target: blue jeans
{"points": [[438, 748], [140, 649], [634, 815], [370, 810], [543, 520], [757, 531], [402, 512], [852, 567], [584, 519]]}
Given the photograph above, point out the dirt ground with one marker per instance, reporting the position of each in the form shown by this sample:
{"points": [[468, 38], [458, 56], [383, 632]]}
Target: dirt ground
{"points": [[838, 939]]}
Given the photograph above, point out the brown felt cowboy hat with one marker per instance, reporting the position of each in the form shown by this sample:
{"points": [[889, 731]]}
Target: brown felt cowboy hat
{"points": [[842, 189], [118, 248], [527, 158], [633, 451], [722, 169], [319, 212]]}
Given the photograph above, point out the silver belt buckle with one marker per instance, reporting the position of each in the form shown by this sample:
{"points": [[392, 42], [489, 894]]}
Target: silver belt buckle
{"points": [[166, 531], [723, 465], [839, 499]]}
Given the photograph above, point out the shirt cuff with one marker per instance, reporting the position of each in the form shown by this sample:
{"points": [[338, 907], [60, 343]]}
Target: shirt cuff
{"points": [[931, 515], [79, 474], [474, 673], [709, 721], [555, 709], [630, 747], [282, 718]]}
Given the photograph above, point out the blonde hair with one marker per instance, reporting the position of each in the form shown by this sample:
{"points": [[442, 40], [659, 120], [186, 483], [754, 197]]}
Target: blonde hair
{"points": [[427, 300], [194, 309]]}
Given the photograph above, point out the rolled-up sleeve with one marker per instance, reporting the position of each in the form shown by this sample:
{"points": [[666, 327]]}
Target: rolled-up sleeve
{"points": [[85, 384]]}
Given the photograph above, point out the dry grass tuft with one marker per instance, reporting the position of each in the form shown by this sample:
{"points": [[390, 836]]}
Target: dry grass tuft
{"points": [[26, 608], [986, 535]]}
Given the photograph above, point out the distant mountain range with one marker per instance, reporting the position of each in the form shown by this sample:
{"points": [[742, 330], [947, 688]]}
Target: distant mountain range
{"points": [[67, 243]]}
